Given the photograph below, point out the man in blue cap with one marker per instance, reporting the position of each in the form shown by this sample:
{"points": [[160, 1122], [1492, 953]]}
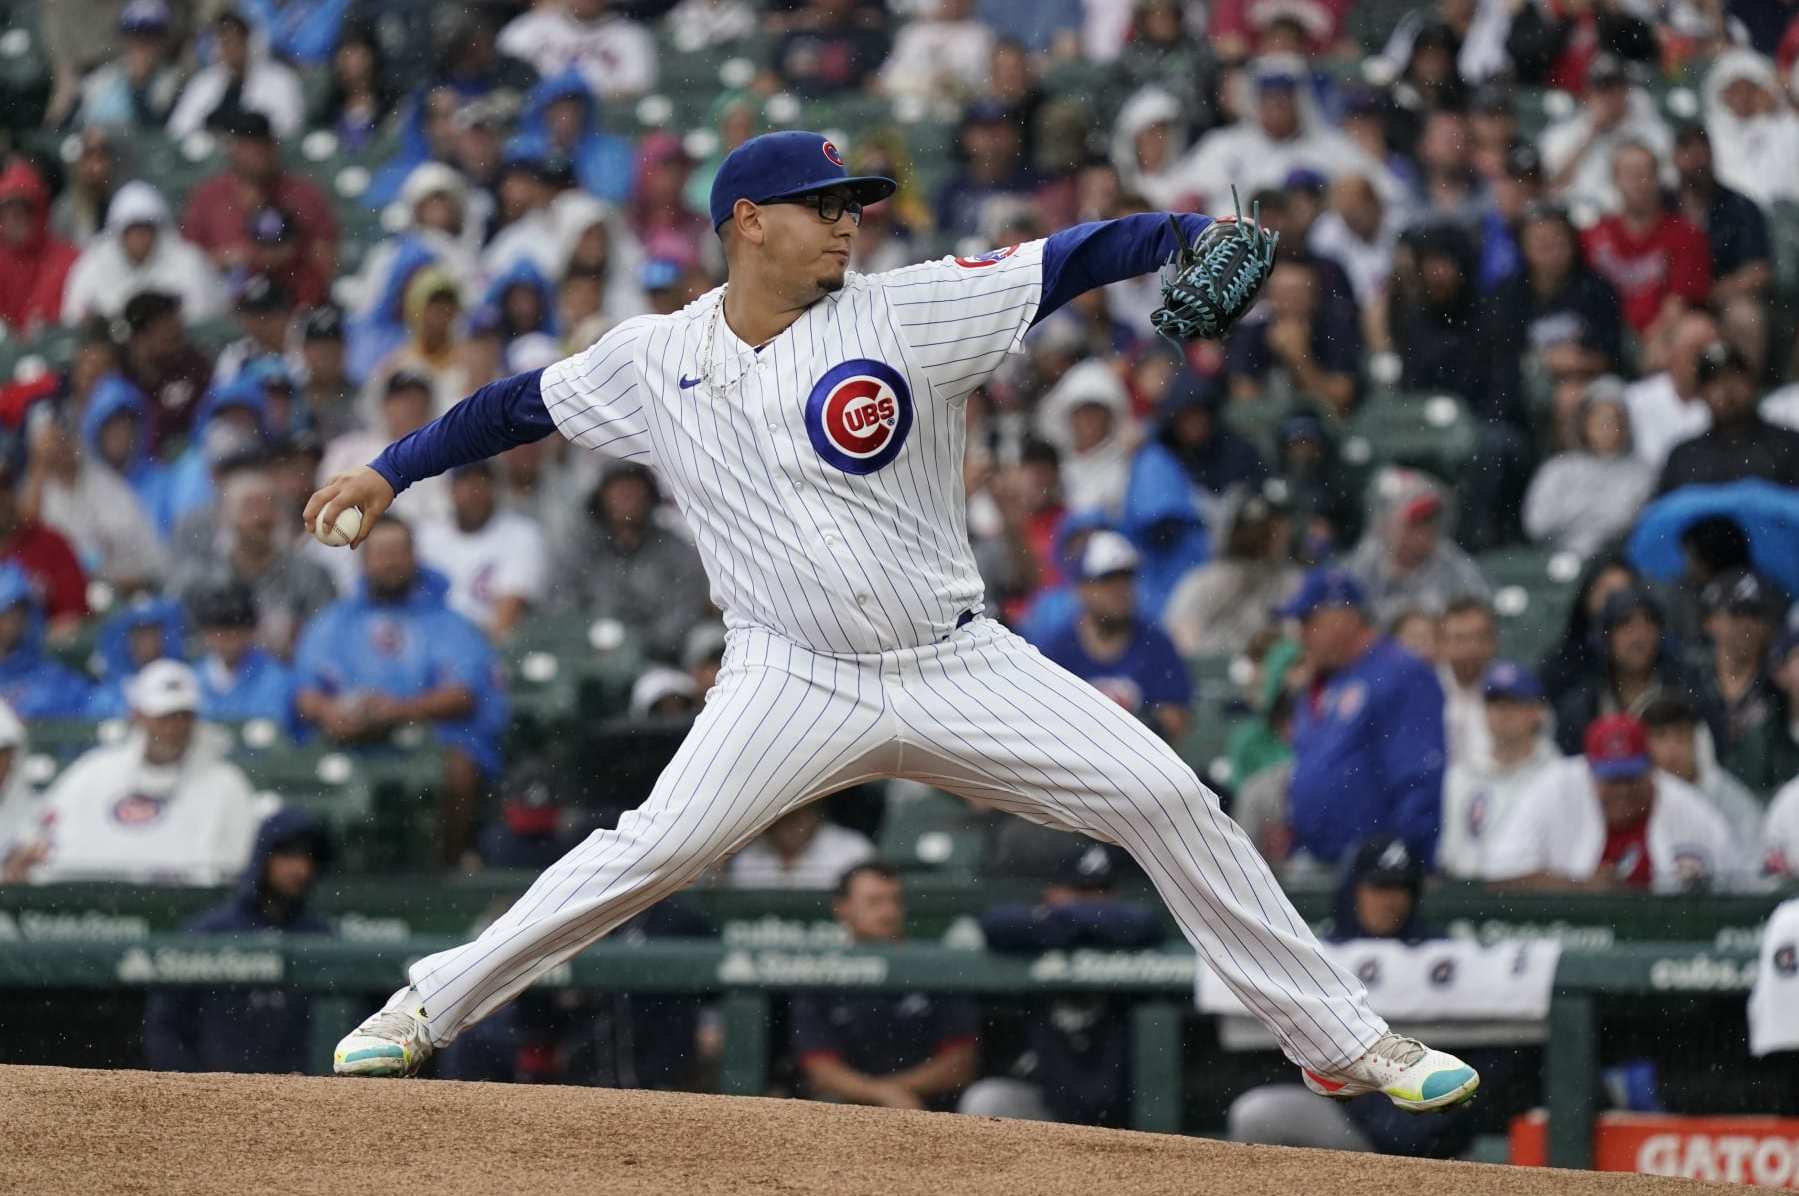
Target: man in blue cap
{"points": [[1480, 793], [1368, 745], [809, 421]]}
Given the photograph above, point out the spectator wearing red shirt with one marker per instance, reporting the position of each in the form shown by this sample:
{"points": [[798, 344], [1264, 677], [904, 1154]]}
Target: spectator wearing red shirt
{"points": [[275, 251], [1658, 261], [218, 214], [45, 556], [33, 264]]}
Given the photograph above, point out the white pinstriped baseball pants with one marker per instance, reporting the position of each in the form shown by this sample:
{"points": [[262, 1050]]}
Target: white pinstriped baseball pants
{"points": [[981, 714]]}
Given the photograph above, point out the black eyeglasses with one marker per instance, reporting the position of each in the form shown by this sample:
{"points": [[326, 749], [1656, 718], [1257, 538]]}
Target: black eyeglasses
{"points": [[830, 208]]}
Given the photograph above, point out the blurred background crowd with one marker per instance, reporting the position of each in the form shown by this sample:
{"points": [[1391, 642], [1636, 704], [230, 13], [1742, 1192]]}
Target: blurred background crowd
{"points": [[1481, 530]]}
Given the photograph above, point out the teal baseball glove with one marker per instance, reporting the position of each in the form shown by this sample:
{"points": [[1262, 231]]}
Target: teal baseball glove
{"points": [[1208, 285]]}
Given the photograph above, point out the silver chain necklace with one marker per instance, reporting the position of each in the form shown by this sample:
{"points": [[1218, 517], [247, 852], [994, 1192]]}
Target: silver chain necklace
{"points": [[709, 362]]}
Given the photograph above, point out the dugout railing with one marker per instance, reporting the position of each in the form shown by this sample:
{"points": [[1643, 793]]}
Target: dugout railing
{"points": [[1158, 984], [940, 908]]}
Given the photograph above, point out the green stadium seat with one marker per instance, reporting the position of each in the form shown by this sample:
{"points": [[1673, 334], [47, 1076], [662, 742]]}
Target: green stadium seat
{"points": [[1783, 231], [1536, 111], [77, 651], [403, 784], [1533, 587], [934, 831], [1212, 678], [1203, 747], [563, 666], [1431, 432], [318, 777], [1371, 22], [60, 740]]}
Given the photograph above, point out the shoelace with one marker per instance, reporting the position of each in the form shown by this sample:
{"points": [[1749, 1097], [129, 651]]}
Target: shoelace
{"points": [[1402, 1051], [393, 1025]]}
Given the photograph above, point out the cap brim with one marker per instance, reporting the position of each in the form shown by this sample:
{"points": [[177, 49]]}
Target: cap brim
{"points": [[865, 188], [165, 708], [1619, 770]]}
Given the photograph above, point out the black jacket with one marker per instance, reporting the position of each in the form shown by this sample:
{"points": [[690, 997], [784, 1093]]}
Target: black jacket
{"points": [[1512, 318], [242, 1029], [1753, 449], [1078, 1045]]}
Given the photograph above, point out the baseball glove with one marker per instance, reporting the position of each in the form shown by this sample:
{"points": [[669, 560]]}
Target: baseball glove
{"points": [[1207, 285]]}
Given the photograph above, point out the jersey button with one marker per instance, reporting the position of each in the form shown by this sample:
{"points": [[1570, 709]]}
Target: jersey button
{"points": [[864, 599], [831, 539]]}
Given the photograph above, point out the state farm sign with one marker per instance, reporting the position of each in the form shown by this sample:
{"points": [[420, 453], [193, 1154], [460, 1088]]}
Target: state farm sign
{"points": [[1763, 1151]]}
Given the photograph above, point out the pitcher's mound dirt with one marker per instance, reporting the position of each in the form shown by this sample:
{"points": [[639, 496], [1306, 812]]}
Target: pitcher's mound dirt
{"points": [[64, 1131]]}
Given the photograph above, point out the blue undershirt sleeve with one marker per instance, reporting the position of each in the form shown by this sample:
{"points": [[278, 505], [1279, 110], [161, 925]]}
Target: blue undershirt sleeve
{"points": [[499, 416], [1106, 251]]}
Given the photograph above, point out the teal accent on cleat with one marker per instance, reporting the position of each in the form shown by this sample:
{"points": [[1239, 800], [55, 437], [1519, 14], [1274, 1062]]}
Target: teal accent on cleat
{"points": [[1442, 1083]]}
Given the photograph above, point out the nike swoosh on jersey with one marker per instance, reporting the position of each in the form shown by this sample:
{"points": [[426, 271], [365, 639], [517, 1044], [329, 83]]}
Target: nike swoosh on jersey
{"points": [[689, 383]]}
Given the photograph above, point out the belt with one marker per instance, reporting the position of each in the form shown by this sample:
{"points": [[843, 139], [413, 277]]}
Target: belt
{"points": [[964, 619]]}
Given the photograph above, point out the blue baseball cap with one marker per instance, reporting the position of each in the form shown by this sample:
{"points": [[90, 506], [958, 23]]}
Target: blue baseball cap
{"points": [[1328, 586], [1509, 681], [782, 165]]}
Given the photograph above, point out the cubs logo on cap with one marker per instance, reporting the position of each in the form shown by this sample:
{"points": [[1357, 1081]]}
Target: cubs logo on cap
{"points": [[858, 415], [783, 165], [992, 257]]}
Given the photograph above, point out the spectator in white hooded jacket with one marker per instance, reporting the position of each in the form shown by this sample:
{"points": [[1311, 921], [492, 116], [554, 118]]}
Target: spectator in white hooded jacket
{"points": [[1148, 141], [162, 806], [1282, 132], [139, 250], [241, 64], [1086, 415], [1583, 499], [1753, 129]]}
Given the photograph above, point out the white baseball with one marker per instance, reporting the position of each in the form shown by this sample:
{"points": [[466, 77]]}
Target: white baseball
{"points": [[343, 530]]}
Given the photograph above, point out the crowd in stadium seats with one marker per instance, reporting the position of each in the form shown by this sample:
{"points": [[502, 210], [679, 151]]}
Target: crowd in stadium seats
{"points": [[1503, 467]]}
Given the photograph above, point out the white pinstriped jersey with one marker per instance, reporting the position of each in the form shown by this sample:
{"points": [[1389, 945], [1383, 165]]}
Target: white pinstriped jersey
{"points": [[823, 479]]}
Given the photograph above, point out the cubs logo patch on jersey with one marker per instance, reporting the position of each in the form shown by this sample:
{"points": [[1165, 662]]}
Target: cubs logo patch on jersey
{"points": [[137, 809], [1350, 699], [992, 257], [858, 415]]}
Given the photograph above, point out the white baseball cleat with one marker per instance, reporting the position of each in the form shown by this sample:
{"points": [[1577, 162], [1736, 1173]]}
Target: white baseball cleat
{"points": [[1407, 1072], [389, 1043]]}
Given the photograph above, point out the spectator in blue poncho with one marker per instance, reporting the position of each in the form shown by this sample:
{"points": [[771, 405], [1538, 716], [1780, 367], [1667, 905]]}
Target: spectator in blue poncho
{"points": [[114, 431], [563, 116], [239, 680], [148, 629], [232, 422], [33, 684]]}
